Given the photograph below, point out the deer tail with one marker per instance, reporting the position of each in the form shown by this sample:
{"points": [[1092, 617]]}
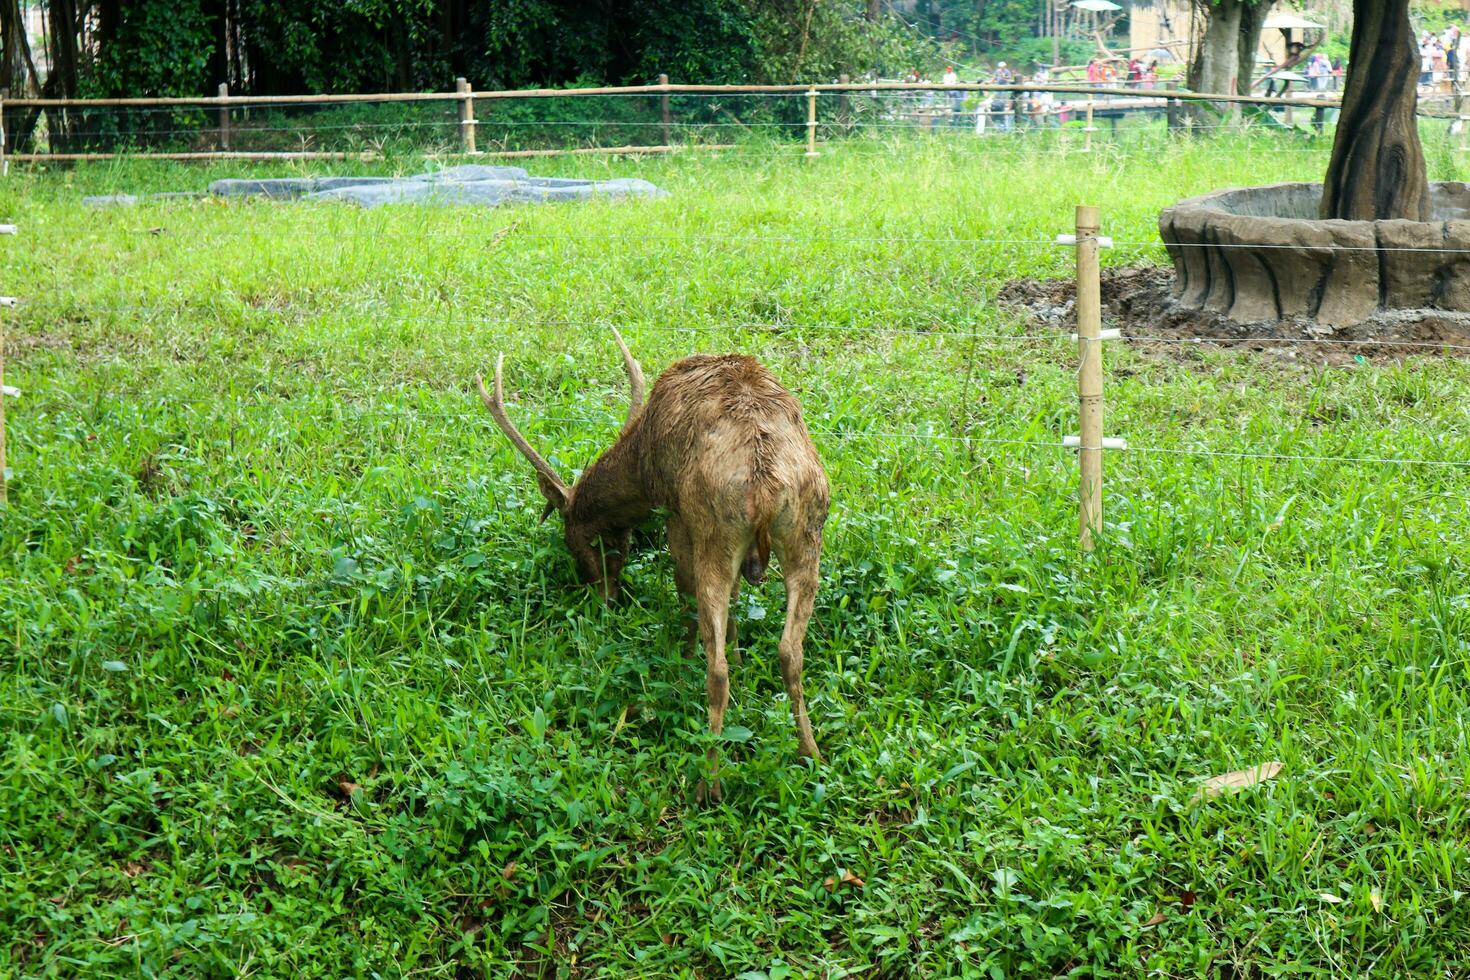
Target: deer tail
{"points": [[758, 558]]}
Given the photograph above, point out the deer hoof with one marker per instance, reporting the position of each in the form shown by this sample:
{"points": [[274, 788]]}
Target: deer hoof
{"points": [[708, 792]]}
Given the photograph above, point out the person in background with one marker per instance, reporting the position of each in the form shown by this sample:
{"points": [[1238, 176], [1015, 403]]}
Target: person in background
{"points": [[1426, 59], [1046, 103], [1338, 70], [1437, 60], [1151, 75], [1135, 72], [1094, 73], [1452, 54], [1295, 52], [1319, 72], [1006, 100], [956, 97]]}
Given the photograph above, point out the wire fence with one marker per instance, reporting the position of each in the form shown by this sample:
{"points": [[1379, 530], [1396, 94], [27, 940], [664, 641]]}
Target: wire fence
{"points": [[658, 117], [101, 409], [966, 332]]}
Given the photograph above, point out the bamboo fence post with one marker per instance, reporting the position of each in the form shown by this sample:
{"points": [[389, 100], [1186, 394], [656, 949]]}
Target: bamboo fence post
{"points": [[1089, 377], [224, 117], [663, 109], [811, 123], [1088, 130], [466, 115], [1458, 127], [4, 489], [4, 391]]}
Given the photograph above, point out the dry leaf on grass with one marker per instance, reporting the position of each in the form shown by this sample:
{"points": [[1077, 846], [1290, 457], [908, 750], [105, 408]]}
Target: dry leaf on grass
{"points": [[1234, 782], [1154, 920], [1376, 899], [347, 788], [509, 871], [848, 878], [1330, 898]]}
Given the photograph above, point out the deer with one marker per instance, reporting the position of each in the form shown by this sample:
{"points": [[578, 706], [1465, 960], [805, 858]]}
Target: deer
{"points": [[722, 448]]}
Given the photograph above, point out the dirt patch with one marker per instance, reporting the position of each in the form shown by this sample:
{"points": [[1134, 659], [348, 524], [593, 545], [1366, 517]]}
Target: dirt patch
{"points": [[1137, 300]]}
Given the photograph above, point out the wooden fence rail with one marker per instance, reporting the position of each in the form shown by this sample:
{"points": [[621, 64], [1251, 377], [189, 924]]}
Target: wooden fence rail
{"points": [[671, 89], [462, 100]]}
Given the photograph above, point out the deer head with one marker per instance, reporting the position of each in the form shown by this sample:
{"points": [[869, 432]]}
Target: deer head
{"points": [[598, 542]]}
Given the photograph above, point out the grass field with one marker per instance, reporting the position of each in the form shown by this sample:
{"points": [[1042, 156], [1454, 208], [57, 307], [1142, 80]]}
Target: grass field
{"points": [[293, 684]]}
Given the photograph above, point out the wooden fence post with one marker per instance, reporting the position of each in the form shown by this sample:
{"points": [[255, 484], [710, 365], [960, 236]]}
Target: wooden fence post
{"points": [[466, 115], [1458, 127], [1088, 130], [811, 123], [842, 108], [663, 109], [1089, 377], [224, 117], [4, 489], [4, 391]]}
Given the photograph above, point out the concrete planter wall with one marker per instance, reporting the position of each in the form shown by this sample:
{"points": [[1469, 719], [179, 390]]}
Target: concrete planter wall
{"points": [[1290, 263]]}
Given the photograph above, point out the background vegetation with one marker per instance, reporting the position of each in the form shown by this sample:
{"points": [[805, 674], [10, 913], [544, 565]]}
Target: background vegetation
{"points": [[292, 682]]}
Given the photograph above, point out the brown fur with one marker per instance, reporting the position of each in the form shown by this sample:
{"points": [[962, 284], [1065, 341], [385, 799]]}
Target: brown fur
{"points": [[722, 447]]}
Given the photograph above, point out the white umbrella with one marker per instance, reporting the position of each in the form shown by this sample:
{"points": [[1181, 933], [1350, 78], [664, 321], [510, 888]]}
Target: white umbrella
{"points": [[1286, 21], [1098, 6]]}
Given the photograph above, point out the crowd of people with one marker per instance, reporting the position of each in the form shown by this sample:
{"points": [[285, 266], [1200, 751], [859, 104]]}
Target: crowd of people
{"points": [[1001, 110], [1440, 58], [1132, 73]]}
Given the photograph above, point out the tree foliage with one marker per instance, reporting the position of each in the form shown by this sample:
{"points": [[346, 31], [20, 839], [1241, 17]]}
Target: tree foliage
{"points": [[187, 47]]}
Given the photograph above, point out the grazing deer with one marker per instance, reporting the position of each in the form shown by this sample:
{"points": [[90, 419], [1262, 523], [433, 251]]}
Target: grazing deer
{"points": [[722, 447]]}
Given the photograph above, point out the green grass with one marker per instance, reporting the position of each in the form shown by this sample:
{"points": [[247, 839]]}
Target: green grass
{"points": [[293, 684]]}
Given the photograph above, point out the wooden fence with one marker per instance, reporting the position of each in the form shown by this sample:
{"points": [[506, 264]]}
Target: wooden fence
{"points": [[464, 99]]}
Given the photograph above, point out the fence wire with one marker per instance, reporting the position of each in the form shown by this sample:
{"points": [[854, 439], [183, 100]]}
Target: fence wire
{"points": [[562, 120], [532, 421]]}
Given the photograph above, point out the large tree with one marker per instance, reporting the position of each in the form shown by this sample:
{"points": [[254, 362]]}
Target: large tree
{"points": [[1377, 168], [1225, 53]]}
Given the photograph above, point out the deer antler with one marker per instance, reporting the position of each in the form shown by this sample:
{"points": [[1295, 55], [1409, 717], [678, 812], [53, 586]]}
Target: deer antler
{"points": [[635, 379], [551, 483]]}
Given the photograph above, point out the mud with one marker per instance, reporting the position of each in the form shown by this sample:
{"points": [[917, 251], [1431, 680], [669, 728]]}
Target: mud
{"points": [[1138, 300]]}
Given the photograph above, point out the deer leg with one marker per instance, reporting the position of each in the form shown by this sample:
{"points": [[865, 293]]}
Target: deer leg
{"points": [[682, 550], [801, 590], [732, 634], [714, 601]]}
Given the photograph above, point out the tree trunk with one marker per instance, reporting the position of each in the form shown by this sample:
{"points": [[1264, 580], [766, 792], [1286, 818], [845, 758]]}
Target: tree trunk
{"points": [[874, 9], [65, 57], [1377, 168], [1252, 20], [217, 14], [1217, 60]]}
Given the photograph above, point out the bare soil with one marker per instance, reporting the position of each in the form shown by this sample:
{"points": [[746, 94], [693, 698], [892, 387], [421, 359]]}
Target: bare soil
{"points": [[1137, 300]]}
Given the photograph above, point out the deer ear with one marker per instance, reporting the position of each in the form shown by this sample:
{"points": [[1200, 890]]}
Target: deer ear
{"points": [[550, 509]]}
